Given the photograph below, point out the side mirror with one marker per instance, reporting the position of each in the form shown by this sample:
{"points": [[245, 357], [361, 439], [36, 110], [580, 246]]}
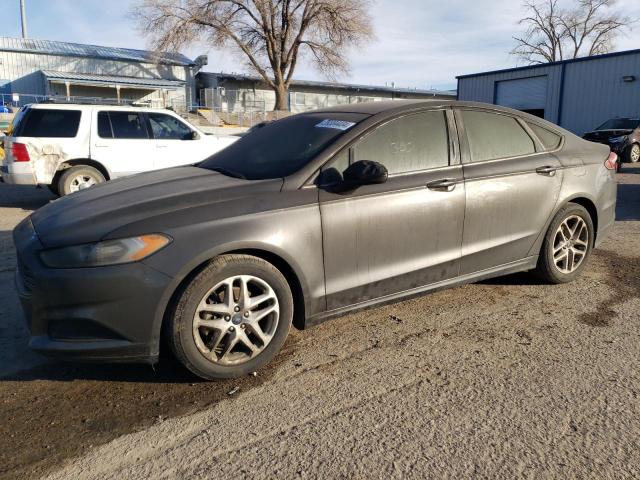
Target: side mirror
{"points": [[365, 172], [194, 136]]}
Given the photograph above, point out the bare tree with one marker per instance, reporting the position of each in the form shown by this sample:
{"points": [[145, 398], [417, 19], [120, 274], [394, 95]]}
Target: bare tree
{"points": [[272, 35], [554, 33]]}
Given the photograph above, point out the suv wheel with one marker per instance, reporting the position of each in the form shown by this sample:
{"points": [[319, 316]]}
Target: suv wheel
{"points": [[633, 153], [78, 178], [232, 318], [567, 245]]}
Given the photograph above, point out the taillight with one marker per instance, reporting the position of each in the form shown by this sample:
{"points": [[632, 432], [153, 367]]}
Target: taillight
{"points": [[612, 162], [20, 153]]}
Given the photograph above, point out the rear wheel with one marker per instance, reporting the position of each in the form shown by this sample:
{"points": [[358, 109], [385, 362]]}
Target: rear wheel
{"points": [[633, 153], [78, 178], [567, 245], [232, 318]]}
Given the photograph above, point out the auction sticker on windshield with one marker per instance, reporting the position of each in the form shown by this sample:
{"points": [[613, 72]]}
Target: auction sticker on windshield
{"points": [[335, 124]]}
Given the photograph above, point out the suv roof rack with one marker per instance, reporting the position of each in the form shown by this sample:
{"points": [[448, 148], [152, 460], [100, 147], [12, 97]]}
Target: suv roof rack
{"points": [[92, 101]]}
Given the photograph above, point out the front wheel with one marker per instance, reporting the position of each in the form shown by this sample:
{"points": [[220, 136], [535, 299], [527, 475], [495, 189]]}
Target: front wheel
{"points": [[232, 318], [567, 245], [633, 153]]}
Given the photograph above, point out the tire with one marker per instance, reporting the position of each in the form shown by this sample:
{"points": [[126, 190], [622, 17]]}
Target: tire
{"points": [[549, 268], [194, 344], [632, 154], [78, 178]]}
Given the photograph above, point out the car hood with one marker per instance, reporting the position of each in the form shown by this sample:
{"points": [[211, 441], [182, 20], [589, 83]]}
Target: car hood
{"points": [[90, 215]]}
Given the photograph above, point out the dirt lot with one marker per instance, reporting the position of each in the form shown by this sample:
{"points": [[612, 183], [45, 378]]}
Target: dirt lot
{"points": [[503, 378]]}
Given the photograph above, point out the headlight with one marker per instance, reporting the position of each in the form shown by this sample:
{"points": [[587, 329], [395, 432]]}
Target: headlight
{"points": [[617, 139], [109, 252]]}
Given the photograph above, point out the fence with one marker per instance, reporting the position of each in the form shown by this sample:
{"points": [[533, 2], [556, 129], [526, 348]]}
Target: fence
{"points": [[257, 100], [218, 117]]}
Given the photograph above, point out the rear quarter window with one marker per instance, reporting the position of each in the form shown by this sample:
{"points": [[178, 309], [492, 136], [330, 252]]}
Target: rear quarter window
{"points": [[549, 139], [39, 122]]}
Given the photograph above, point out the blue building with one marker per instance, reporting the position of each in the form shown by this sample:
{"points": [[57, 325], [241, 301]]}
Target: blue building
{"points": [[578, 94]]}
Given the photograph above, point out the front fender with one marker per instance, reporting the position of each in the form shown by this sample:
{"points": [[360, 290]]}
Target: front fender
{"points": [[293, 235]]}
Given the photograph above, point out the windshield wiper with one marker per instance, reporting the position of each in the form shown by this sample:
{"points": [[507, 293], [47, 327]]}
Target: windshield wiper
{"points": [[228, 173]]}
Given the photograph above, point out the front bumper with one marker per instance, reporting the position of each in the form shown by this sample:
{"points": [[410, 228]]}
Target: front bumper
{"points": [[95, 314]]}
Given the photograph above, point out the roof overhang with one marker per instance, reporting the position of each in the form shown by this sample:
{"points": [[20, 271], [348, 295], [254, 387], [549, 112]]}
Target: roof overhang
{"points": [[112, 81], [66, 49]]}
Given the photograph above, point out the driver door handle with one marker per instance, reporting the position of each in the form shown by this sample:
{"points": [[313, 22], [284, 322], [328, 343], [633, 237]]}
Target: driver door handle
{"points": [[546, 170], [445, 185]]}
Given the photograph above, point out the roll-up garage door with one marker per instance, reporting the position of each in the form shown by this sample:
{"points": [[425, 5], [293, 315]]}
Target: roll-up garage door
{"points": [[523, 94]]}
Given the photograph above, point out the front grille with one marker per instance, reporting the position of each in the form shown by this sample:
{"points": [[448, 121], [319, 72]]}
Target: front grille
{"points": [[26, 274]]}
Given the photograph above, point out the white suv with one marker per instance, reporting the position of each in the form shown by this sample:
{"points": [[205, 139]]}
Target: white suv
{"points": [[71, 147]]}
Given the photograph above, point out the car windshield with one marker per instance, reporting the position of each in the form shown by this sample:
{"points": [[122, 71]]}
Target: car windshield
{"points": [[281, 148], [620, 124]]}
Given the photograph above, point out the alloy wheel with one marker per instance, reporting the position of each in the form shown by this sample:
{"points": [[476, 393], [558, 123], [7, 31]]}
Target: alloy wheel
{"points": [[635, 153], [81, 182], [571, 244], [236, 320]]}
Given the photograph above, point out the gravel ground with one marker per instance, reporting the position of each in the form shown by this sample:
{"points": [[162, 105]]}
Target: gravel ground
{"points": [[504, 378]]}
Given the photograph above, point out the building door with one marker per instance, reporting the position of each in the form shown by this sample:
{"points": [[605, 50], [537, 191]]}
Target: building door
{"points": [[525, 94]]}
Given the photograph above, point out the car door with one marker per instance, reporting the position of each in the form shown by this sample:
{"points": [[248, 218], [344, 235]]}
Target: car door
{"points": [[121, 142], [176, 142], [512, 186], [381, 240]]}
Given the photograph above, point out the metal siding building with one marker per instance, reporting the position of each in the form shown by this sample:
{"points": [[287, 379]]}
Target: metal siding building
{"points": [[578, 94], [240, 93], [46, 68]]}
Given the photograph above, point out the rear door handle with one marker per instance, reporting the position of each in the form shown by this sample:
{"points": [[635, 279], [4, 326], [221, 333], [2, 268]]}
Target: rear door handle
{"points": [[546, 170], [445, 185]]}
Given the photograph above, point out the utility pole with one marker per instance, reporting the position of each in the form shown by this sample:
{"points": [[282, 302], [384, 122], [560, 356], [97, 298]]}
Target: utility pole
{"points": [[23, 17]]}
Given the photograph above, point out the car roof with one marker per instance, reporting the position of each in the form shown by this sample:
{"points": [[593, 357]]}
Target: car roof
{"points": [[395, 106]]}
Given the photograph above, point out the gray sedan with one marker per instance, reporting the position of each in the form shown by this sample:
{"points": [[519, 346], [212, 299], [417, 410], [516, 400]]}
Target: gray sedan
{"points": [[307, 218]]}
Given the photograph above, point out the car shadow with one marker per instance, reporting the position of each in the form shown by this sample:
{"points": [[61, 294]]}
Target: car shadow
{"points": [[630, 168], [24, 197], [166, 371], [628, 206], [522, 278]]}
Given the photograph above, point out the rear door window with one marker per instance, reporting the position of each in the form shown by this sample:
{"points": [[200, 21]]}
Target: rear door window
{"points": [[127, 125], [166, 127], [54, 123], [492, 136]]}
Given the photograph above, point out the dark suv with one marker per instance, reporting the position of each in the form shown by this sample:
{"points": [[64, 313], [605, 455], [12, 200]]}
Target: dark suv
{"points": [[622, 135]]}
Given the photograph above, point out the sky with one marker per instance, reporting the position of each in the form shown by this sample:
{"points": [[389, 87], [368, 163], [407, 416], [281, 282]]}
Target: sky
{"points": [[419, 44]]}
